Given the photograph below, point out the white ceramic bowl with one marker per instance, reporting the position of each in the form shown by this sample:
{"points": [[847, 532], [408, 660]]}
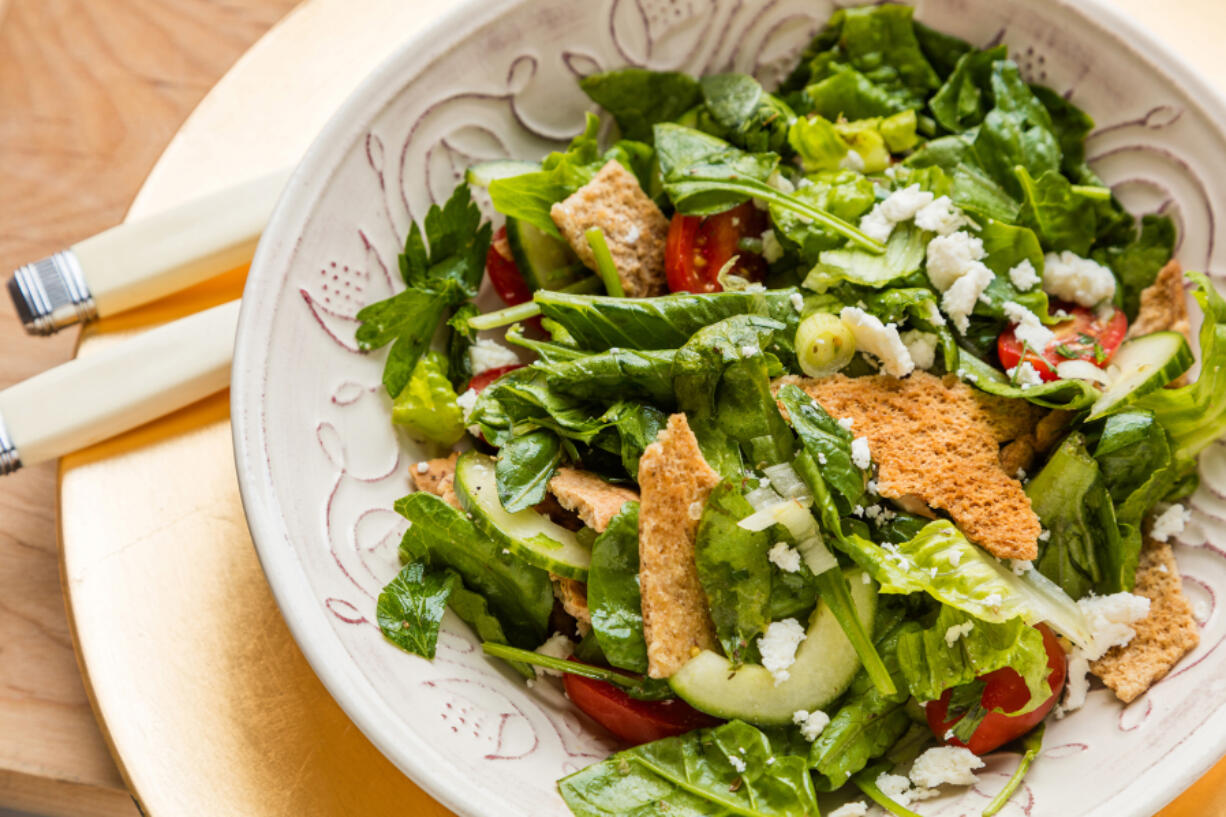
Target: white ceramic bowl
{"points": [[320, 465]]}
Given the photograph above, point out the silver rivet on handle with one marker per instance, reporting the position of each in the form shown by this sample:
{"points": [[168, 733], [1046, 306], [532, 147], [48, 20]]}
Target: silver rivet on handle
{"points": [[51, 293], [10, 460]]}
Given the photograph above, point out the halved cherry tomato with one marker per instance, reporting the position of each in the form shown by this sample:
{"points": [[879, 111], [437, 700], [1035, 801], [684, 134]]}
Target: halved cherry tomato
{"points": [[480, 381], [1005, 690], [1083, 336], [632, 720], [506, 278], [698, 248]]}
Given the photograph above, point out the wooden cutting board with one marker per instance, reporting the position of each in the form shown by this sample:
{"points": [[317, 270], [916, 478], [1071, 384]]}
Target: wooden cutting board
{"points": [[201, 692]]}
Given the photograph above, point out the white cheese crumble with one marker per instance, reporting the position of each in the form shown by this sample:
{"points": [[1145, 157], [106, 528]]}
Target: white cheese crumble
{"points": [[785, 557], [1028, 329], [960, 299], [994, 601], [852, 161], [1020, 566], [903, 205], [423, 467], [488, 354], [922, 346], [1024, 276], [953, 765], [875, 225], [1110, 620], [798, 301], [861, 457], [958, 631], [941, 216], [556, 646], [878, 339], [857, 808], [1080, 280], [778, 647], [772, 250], [1025, 375], [898, 788], [811, 723], [1170, 522], [952, 256], [749, 350], [737, 763], [846, 423], [466, 401], [780, 182]]}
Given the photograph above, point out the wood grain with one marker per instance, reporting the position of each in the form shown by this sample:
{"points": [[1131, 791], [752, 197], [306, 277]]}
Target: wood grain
{"points": [[91, 92]]}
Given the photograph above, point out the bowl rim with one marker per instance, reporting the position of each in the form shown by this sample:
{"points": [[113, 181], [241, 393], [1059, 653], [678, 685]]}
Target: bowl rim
{"points": [[286, 575]]}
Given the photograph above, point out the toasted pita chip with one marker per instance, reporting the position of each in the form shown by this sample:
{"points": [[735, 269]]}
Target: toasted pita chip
{"points": [[931, 438], [595, 500], [572, 594], [438, 478], [1163, 637], [675, 482]]}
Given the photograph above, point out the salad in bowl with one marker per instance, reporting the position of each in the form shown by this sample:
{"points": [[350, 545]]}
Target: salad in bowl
{"points": [[831, 436]]}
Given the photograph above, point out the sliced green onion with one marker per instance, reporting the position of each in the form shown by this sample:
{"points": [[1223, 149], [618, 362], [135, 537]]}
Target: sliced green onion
{"points": [[1092, 192], [1033, 742], [824, 344], [505, 317], [605, 268], [640, 687]]}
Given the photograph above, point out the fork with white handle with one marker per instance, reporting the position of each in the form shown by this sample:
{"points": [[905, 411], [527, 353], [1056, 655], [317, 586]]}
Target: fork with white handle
{"points": [[134, 381]]}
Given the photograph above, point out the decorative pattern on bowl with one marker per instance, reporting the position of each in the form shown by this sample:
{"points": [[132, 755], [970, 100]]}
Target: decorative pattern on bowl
{"points": [[320, 464]]}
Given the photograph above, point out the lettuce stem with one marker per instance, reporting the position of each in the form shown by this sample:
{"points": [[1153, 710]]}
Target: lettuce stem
{"points": [[1033, 742], [503, 317]]}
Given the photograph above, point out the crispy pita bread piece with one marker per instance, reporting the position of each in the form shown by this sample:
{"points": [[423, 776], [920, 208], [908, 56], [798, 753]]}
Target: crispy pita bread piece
{"points": [[675, 482], [1008, 419], [1163, 637], [572, 594], [595, 500], [633, 226], [1164, 305], [931, 439], [438, 478]]}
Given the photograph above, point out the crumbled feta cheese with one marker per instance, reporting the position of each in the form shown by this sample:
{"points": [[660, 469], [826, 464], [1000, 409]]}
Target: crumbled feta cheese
{"points": [[557, 646], [423, 467], [798, 301], [871, 486], [1044, 535], [953, 765], [780, 182], [1110, 620], [466, 401], [488, 354], [902, 205], [1080, 280], [951, 256], [1020, 474], [778, 647], [749, 350], [857, 808], [922, 346], [785, 557], [865, 578], [1020, 566], [1170, 522], [941, 216], [861, 457], [853, 161], [772, 250], [1025, 375], [875, 225], [959, 300], [695, 510], [994, 601], [898, 788], [1024, 276], [821, 458], [1028, 329], [846, 422], [737, 763], [958, 631], [811, 723], [878, 339]]}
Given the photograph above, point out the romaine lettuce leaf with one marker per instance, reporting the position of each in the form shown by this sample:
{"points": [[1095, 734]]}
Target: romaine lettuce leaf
{"points": [[1055, 394], [722, 771], [638, 98], [427, 406], [613, 592]]}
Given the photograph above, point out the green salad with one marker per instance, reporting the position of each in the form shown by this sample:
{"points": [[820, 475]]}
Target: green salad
{"points": [[829, 438]]}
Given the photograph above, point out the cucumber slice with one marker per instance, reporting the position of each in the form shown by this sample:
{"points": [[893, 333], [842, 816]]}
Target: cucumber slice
{"points": [[1145, 364], [482, 173], [527, 534], [825, 665], [544, 261]]}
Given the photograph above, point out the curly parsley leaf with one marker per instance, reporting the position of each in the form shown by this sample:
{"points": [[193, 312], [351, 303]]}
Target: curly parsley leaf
{"points": [[442, 269]]}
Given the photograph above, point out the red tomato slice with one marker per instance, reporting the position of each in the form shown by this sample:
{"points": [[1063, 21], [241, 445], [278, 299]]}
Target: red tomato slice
{"points": [[1006, 691], [480, 381], [506, 278], [632, 720], [1083, 336], [698, 248]]}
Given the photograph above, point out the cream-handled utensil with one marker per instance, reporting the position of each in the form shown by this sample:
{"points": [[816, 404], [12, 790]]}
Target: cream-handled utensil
{"points": [[121, 387], [143, 260]]}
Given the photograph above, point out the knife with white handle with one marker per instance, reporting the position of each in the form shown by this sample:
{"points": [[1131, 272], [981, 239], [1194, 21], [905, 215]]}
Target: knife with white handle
{"points": [[143, 260], [121, 387]]}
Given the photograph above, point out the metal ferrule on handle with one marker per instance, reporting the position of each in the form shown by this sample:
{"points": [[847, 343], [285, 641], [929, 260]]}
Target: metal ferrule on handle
{"points": [[51, 294], [10, 460]]}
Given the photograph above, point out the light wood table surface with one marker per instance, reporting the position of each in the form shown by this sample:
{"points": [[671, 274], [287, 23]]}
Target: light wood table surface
{"points": [[91, 91]]}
